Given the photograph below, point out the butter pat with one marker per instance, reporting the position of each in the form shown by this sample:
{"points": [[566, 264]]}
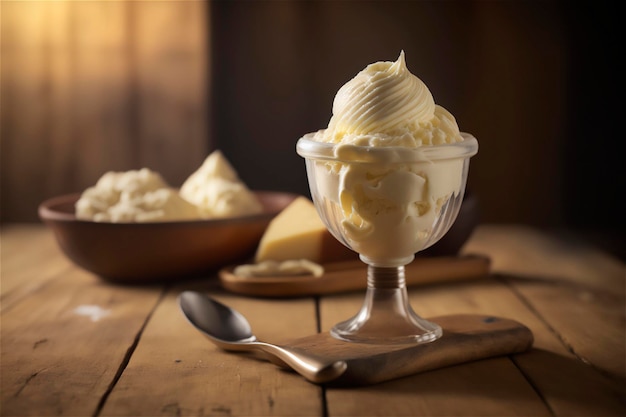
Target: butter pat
{"points": [[278, 269], [298, 233]]}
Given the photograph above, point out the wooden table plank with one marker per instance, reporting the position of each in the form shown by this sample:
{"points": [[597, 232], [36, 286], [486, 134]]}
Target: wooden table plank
{"points": [[590, 323], [586, 392], [506, 389], [185, 374], [30, 257], [528, 252], [60, 358], [579, 293], [491, 387], [62, 345]]}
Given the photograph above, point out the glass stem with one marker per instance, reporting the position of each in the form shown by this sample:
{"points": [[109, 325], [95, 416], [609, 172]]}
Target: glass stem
{"points": [[386, 315], [386, 297], [385, 277]]}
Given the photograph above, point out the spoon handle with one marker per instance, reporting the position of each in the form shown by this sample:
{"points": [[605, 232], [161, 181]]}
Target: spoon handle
{"points": [[313, 368]]}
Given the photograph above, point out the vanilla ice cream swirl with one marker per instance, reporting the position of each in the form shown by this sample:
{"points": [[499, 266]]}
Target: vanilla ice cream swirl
{"points": [[386, 105], [384, 97]]}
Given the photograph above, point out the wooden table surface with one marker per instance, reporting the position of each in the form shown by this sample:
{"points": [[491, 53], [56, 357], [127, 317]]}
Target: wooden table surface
{"points": [[73, 345]]}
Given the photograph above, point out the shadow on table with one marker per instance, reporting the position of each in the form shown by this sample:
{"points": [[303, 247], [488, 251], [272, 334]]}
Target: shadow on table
{"points": [[565, 385]]}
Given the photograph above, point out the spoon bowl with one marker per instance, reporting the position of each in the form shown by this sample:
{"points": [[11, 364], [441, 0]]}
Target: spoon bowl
{"points": [[223, 325], [229, 330]]}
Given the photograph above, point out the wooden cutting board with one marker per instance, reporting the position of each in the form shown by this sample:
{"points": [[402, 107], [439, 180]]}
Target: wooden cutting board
{"points": [[465, 338], [351, 275]]}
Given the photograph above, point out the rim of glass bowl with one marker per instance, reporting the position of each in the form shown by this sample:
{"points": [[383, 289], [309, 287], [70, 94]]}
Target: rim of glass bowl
{"points": [[311, 149]]}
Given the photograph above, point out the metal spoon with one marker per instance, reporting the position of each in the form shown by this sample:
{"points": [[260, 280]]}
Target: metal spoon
{"points": [[229, 330]]}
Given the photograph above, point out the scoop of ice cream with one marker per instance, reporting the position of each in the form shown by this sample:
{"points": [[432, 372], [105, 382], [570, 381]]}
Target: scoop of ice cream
{"points": [[133, 196], [217, 190], [388, 192], [386, 105]]}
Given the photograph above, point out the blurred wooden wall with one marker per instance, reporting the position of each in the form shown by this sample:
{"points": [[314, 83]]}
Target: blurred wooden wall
{"points": [[93, 86], [537, 82], [500, 67]]}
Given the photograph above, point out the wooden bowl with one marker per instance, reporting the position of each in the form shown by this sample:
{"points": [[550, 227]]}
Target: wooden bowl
{"points": [[160, 251]]}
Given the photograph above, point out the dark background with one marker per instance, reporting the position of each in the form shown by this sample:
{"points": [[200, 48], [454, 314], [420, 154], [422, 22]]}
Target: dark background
{"points": [[161, 84], [536, 82]]}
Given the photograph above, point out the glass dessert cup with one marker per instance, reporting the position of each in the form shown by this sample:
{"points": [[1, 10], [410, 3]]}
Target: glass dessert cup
{"points": [[387, 203]]}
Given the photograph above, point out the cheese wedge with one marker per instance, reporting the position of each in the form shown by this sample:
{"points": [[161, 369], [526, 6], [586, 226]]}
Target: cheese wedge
{"points": [[297, 232]]}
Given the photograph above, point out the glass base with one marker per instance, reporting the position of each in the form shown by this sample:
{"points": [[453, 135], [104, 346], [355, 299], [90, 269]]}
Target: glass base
{"points": [[386, 316]]}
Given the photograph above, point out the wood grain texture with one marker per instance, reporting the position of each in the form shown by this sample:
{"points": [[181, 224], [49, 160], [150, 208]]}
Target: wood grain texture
{"points": [[577, 294], [527, 252], [567, 384], [465, 338], [187, 375], [473, 297], [20, 274], [490, 387], [73, 345], [64, 343]]}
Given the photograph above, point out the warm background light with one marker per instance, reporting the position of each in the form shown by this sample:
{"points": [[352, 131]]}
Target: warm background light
{"points": [[92, 86]]}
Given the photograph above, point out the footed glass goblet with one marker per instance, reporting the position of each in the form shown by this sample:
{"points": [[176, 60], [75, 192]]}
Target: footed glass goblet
{"points": [[387, 204]]}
